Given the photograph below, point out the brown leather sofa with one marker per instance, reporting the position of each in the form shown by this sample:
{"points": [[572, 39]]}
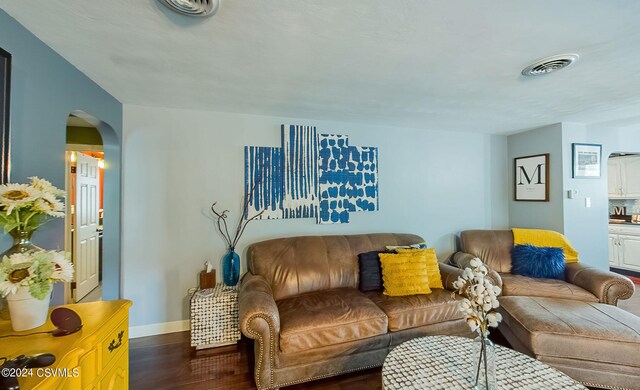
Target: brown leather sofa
{"points": [[582, 283], [300, 302]]}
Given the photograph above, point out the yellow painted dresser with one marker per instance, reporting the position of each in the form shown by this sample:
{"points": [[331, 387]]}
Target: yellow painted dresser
{"points": [[96, 357]]}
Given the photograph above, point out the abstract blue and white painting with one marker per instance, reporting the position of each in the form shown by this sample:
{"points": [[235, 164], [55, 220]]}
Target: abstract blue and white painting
{"points": [[263, 172], [311, 176], [362, 189], [300, 158], [333, 175]]}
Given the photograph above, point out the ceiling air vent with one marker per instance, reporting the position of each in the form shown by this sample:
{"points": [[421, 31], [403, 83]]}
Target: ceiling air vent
{"points": [[198, 8], [550, 64]]}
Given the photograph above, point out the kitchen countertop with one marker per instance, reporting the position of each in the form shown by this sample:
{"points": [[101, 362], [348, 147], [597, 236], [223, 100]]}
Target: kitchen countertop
{"points": [[622, 223]]}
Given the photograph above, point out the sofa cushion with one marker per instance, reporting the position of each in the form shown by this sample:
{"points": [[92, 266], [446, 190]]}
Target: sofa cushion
{"points": [[404, 274], [433, 268], [328, 317], [538, 261], [536, 287], [493, 247], [563, 328], [420, 245], [370, 271], [418, 310], [549, 238]]}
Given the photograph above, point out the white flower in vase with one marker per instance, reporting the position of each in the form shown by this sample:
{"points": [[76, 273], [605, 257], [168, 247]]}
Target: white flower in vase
{"points": [[479, 304]]}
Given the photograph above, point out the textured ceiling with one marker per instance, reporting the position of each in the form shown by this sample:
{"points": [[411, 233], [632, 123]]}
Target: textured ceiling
{"points": [[451, 65]]}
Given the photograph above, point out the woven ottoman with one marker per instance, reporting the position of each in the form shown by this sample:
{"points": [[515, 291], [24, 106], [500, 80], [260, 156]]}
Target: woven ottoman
{"points": [[594, 343]]}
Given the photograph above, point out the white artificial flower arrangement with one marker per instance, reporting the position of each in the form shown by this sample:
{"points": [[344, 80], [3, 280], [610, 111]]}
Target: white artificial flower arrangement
{"points": [[35, 270], [481, 298], [26, 207]]}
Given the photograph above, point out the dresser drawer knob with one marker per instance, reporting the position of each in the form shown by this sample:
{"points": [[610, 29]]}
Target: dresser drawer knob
{"points": [[113, 346]]}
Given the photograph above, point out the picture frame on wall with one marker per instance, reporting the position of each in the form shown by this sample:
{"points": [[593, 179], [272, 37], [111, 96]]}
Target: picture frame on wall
{"points": [[531, 178], [5, 97], [587, 161]]}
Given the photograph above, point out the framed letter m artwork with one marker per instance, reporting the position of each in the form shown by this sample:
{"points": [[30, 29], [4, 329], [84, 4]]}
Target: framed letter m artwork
{"points": [[531, 182]]}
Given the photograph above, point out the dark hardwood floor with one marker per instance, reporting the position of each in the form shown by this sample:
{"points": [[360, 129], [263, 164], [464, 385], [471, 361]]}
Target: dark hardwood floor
{"points": [[168, 362]]}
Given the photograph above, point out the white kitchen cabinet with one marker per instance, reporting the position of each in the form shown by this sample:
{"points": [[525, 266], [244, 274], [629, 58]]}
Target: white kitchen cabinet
{"points": [[613, 250], [624, 247], [624, 177], [629, 252], [614, 178], [630, 169]]}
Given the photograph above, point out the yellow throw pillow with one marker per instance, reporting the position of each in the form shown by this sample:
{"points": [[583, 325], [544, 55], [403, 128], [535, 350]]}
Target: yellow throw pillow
{"points": [[539, 237], [433, 269], [404, 274]]}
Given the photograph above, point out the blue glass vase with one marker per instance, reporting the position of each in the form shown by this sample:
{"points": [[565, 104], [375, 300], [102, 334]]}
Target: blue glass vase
{"points": [[231, 267]]}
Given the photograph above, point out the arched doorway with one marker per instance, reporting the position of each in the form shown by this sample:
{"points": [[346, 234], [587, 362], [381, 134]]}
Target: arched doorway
{"points": [[96, 140]]}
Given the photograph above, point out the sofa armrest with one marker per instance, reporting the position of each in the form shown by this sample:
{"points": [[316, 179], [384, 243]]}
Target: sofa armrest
{"points": [[609, 287], [449, 274], [260, 320], [462, 259]]}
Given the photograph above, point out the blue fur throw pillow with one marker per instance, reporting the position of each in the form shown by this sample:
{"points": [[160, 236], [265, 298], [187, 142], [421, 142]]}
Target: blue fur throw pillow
{"points": [[538, 261]]}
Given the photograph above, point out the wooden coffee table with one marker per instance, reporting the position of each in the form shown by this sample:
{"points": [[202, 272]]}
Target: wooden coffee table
{"points": [[445, 362]]}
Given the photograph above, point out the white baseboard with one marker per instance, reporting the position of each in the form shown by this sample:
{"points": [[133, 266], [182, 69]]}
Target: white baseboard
{"points": [[160, 328]]}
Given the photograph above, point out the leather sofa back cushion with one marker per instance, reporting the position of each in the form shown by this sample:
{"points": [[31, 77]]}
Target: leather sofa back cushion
{"points": [[493, 247], [296, 265]]}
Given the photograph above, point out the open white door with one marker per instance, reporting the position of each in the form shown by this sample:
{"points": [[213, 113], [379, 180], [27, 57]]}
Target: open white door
{"points": [[85, 243]]}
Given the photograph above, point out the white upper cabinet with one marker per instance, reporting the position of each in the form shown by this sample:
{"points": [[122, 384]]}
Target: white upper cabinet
{"points": [[624, 177], [614, 178], [631, 172]]}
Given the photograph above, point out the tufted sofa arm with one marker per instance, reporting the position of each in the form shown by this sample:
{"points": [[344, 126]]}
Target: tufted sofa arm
{"points": [[462, 259], [609, 287], [260, 320], [449, 275]]}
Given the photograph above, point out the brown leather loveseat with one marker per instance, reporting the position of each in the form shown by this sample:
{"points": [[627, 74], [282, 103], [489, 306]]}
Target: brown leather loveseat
{"points": [[582, 283], [300, 302], [572, 324]]}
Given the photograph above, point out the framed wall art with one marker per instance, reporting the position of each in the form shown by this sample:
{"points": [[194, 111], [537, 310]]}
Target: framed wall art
{"points": [[531, 178], [587, 161], [5, 93]]}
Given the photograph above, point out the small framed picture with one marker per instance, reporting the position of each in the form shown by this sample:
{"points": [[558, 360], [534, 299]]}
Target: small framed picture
{"points": [[587, 161], [531, 181]]}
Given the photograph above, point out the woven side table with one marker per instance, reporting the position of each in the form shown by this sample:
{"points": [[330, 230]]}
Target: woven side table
{"points": [[214, 317]]}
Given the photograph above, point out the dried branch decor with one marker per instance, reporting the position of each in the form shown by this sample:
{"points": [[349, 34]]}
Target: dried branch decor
{"points": [[223, 226]]}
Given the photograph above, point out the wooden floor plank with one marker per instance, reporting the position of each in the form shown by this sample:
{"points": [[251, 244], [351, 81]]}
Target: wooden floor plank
{"points": [[168, 362]]}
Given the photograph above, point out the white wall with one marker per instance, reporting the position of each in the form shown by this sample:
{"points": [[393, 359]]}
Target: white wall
{"points": [[538, 215], [177, 162], [45, 89], [586, 227]]}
